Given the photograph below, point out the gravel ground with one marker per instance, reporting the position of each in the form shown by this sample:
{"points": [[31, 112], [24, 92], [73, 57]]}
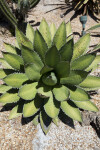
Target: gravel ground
{"points": [[14, 135]]}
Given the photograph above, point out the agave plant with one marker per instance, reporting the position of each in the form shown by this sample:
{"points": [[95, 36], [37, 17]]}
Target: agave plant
{"points": [[46, 73]]}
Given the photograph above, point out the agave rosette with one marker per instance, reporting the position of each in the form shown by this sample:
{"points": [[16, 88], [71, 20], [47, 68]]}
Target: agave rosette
{"points": [[46, 73]]}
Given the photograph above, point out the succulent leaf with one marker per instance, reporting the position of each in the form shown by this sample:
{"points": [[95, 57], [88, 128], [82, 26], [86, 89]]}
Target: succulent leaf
{"points": [[52, 107], [52, 57], [9, 98], [69, 31], [10, 48], [70, 109], [5, 72], [13, 60], [30, 56], [15, 112], [63, 69], [61, 93], [86, 105], [66, 51], [52, 30], [40, 45], [15, 80], [81, 46], [28, 91], [45, 121], [33, 71], [46, 69], [45, 31], [4, 88], [5, 64], [35, 121], [22, 39], [30, 32], [60, 36], [82, 62], [75, 77], [78, 94], [55, 121]]}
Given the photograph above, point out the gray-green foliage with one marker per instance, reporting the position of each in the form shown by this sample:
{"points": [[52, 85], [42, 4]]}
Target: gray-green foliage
{"points": [[48, 75]]}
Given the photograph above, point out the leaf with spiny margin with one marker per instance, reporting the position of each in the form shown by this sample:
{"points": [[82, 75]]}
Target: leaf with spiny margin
{"points": [[52, 107], [81, 46], [35, 121], [52, 30], [87, 105], [28, 91], [22, 39], [94, 27], [70, 109], [45, 121], [4, 88], [9, 98], [33, 71], [15, 112], [16, 44], [69, 31], [30, 56], [60, 36], [5, 72], [15, 80], [30, 32], [10, 48], [40, 45], [45, 31], [83, 62], [91, 82], [75, 77], [45, 69], [52, 57], [78, 94], [61, 93], [66, 51], [5, 64], [95, 62], [55, 121], [15, 61], [32, 107], [63, 69], [96, 47]]}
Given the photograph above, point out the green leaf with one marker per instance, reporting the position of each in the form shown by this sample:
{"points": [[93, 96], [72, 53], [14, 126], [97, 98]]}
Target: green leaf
{"points": [[61, 93], [30, 56], [4, 88], [9, 98], [22, 39], [15, 112], [15, 80], [66, 51], [96, 47], [55, 121], [33, 71], [94, 63], [70, 109], [5, 64], [75, 77], [30, 32], [13, 60], [40, 45], [45, 121], [45, 69], [63, 69], [83, 62], [91, 82], [52, 30], [94, 27], [28, 91], [45, 31], [69, 31], [52, 107], [81, 46], [78, 94], [32, 107], [60, 36], [35, 121], [87, 105], [52, 57], [10, 48], [5, 72]]}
